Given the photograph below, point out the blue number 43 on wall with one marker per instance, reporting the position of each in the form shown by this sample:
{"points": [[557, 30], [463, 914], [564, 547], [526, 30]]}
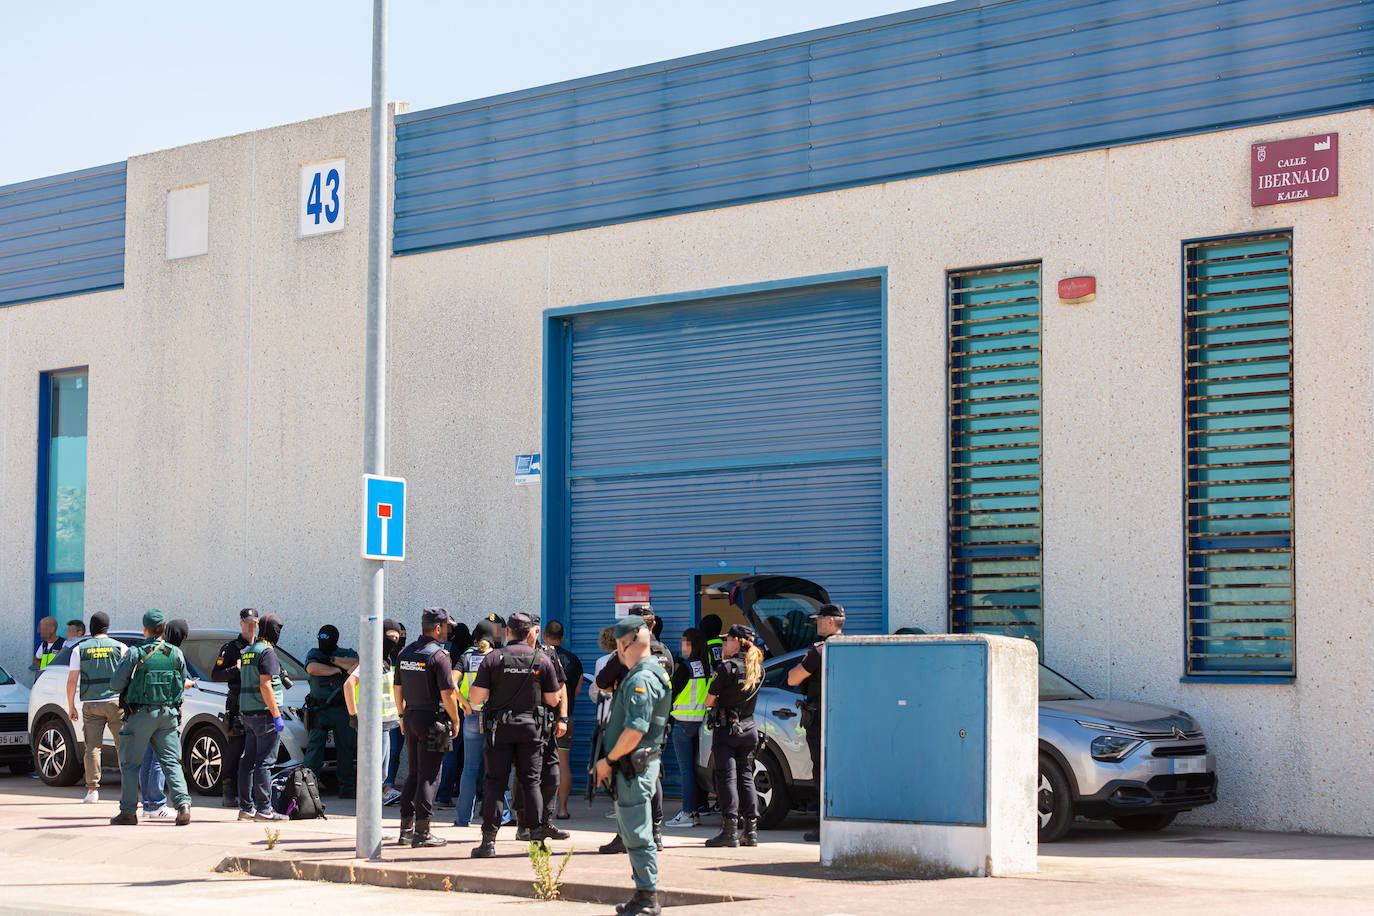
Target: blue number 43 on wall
{"points": [[314, 203]]}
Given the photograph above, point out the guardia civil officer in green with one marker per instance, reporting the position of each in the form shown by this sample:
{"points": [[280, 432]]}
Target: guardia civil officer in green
{"points": [[630, 749], [92, 666], [152, 678]]}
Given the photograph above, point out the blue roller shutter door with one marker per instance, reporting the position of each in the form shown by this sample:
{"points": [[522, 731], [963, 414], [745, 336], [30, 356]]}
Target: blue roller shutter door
{"points": [[742, 431]]}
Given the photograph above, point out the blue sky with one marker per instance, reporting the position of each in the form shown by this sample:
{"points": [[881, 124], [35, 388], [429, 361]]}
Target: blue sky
{"points": [[86, 83]]}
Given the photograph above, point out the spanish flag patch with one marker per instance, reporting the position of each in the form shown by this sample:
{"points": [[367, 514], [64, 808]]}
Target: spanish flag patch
{"points": [[639, 690]]}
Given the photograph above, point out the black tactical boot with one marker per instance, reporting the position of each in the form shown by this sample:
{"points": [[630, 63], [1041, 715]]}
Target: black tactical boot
{"points": [[486, 849], [424, 838], [643, 903], [550, 832], [750, 836], [658, 834], [812, 836], [522, 834], [183, 815], [407, 830], [729, 832], [615, 845], [125, 819]]}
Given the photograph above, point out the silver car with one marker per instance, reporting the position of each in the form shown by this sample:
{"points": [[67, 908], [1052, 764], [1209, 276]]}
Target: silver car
{"points": [[1134, 764], [58, 747]]}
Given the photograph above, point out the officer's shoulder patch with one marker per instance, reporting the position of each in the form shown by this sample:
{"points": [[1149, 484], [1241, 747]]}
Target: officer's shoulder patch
{"points": [[639, 689]]}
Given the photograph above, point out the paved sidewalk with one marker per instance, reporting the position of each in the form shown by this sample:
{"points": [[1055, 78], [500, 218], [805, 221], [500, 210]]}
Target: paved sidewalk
{"points": [[1095, 870]]}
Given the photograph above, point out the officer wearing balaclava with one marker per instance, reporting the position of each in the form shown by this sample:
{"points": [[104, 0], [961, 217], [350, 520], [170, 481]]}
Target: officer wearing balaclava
{"points": [[329, 667]]}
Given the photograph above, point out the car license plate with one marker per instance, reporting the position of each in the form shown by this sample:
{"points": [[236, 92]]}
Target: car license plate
{"points": [[1190, 765], [14, 738]]}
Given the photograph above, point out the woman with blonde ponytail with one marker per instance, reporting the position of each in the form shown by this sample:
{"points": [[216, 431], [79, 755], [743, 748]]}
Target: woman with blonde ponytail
{"points": [[734, 736]]}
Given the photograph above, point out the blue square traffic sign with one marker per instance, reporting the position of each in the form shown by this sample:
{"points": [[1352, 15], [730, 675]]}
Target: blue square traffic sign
{"points": [[384, 518]]}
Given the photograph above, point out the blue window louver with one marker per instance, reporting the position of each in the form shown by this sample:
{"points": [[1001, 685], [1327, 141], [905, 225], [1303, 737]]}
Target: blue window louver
{"points": [[1238, 396], [995, 569]]}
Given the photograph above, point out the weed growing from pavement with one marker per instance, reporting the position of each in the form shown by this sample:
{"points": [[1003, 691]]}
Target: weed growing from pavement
{"points": [[272, 836], [547, 882]]}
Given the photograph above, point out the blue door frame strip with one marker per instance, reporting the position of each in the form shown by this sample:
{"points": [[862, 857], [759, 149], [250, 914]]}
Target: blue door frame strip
{"points": [[944, 88], [63, 235], [43, 580]]}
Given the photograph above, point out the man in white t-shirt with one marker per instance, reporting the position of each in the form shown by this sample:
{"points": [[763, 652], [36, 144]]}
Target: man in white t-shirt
{"points": [[90, 669]]}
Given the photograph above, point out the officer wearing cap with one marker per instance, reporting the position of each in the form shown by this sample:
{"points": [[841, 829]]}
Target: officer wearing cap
{"points": [[152, 679], [734, 736], [829, 622], [425, 695], [328, 667], [630, 756], [513, 686], [607, 679], [226, 671]]}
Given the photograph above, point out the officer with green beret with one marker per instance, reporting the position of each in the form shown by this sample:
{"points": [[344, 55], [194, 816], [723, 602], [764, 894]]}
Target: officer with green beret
{"points": [[151, 678], [630, 749]]}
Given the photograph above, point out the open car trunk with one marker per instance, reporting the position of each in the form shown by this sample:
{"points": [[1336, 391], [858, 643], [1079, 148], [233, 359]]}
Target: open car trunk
{"points": [[777, 607]]}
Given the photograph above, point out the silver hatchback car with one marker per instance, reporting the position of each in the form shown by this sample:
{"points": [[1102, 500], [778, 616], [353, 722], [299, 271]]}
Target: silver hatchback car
{"points": [[57, 742], [1134, 764]]}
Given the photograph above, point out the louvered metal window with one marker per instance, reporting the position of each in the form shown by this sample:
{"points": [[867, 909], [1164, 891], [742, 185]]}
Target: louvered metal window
{"points": [[994, 452], [1239, 493]]}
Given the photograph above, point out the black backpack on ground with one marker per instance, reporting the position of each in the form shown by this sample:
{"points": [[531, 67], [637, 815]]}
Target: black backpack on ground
{"points": [[296, 793]]}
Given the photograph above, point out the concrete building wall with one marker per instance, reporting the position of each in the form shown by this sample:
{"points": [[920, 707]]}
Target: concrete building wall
{"points": [[225, 417]]}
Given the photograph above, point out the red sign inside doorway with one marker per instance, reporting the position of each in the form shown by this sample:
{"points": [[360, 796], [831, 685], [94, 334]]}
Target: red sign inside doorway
{"points": [[628, 595], [1287, 170]]}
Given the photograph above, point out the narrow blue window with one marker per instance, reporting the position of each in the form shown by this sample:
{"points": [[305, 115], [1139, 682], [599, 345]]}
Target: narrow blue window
{"points": [[1238, 395], [994, 529], [61, 557]]}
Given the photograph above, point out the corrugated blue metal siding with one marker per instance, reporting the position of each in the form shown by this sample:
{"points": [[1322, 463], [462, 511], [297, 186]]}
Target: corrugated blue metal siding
{"points": [[744, 430], [938, 89], [62, 235]]}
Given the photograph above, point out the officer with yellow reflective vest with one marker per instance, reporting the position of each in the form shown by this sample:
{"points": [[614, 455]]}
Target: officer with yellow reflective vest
{"points": [[92, 668], [391, 717], [49, 643], [690, 680], [151, 679]]}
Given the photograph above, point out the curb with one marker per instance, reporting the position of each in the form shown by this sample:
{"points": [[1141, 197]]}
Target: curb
{"points": [[358, 872]]}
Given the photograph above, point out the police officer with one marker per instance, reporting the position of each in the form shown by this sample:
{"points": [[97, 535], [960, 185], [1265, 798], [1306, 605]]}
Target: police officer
{"points": [[261, 695], [49, 643], [690, 680], [92, 668], [629, 760], [829, 622], [429, 715], [328, 667], [572, 667], [734, 737], [710, 631], [226, 671], [607, 679], [484, 640], [555, 728], [154, 675], [513, 685]]}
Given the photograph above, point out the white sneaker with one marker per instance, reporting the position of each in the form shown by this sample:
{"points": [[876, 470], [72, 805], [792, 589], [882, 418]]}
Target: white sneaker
{"points": [[92, 796], [610, 815], [270, 816], [162, 814], [392, 796], [683, 819]]}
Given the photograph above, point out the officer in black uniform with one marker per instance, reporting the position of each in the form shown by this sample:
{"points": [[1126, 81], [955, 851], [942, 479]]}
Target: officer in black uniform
{"points": [[226, 671], [555, 728], [734, 737], [609, 679], [424, 696], [513, 686], [829, 622]]}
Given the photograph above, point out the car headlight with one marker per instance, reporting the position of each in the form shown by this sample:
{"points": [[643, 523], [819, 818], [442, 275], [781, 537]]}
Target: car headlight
{"points": [[1112, 747]]}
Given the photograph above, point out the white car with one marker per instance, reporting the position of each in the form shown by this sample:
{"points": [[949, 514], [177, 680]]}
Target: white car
{"points": [[58, 747], [14, 735]]}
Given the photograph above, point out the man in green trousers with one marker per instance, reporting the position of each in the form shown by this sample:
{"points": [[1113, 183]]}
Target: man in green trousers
{"points": [[155, 677], [630, 750]]}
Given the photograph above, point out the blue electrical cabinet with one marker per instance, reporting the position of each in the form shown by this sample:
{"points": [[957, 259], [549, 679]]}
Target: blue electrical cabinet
{"points": [[906, 732]]}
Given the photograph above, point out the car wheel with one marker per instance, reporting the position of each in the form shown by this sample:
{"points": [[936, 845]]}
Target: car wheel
{"points": [[1054, 802], [774, 801], [1145, 823], [203, 760], [56, 753]]}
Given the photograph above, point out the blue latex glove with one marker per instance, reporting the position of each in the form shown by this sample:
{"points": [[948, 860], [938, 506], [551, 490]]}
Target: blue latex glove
{"points": [[278, 724]]}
